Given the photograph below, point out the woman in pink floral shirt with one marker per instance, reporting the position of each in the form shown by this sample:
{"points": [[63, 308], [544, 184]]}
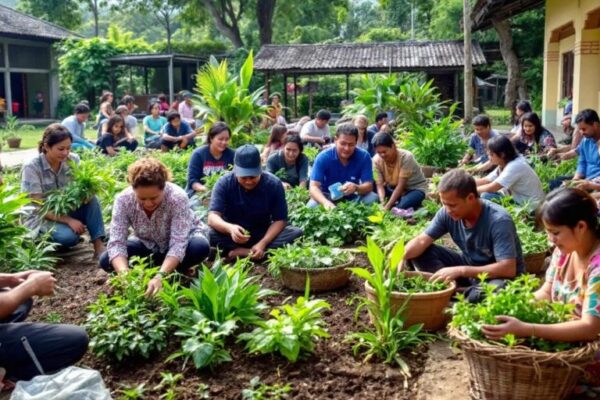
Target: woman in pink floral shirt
{"points": [[163, 225], [569, 216]]}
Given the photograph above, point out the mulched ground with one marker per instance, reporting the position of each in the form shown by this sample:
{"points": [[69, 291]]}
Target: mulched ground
{"points": [[331, 373]]}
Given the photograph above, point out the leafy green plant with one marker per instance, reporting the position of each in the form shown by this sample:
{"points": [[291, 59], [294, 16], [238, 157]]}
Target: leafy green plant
{"points": [[393, 229], [87, 180], [223, 293], [222, 97], [305, 255], [373, 94], [203, 339], [386, 338], [262, 391], [132, 393], [417, 284], [311, 153], [168, 383], [296, 198], [292, 331], [437, 143], [517, 300], [417, 103], [128, 323], [18, 252], [344, 224], [532, 240], [548, 171]]}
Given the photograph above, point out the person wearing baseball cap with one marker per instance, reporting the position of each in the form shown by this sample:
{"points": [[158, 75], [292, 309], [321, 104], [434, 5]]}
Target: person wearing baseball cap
{"points": [[248, 212]]}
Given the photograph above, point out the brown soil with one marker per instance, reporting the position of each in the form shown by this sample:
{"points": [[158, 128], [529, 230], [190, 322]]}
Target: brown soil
{"points": [[331, 373]]}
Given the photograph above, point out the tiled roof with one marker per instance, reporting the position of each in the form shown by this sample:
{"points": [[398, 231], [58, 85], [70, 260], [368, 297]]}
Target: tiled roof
{"points": [[16, 24], [364, 57]]}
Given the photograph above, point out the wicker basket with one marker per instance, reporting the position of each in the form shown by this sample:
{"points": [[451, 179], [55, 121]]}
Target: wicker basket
{"points": [[519, 373], [321, 279], [534, 263], [421, 308]]}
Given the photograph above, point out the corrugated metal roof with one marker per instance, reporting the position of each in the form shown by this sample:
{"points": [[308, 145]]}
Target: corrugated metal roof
{"points": [[397, 56], [16, 24], [485, 10]]}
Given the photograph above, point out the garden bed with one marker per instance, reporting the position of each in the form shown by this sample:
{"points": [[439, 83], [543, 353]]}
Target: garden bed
{"points": [[331, 373]]}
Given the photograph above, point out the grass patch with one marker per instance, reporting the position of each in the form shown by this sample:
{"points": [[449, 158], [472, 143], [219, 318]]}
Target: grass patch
{"points": [[31, 137]]}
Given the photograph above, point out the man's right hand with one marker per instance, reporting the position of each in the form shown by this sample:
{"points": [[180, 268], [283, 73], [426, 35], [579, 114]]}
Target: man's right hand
{"points": [[238, 235], [328, 205], [42, 283], [77, 226]]}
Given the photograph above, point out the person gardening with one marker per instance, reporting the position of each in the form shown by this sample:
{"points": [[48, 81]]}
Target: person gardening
{"points": [[248, 212]]}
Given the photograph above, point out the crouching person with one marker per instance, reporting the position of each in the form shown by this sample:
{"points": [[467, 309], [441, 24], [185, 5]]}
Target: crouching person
{"points": [[248, 212], [163, 225], [56, 346], [483, 231]]}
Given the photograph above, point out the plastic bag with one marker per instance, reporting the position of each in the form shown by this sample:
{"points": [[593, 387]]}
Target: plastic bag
{"points": [[71, 383]]}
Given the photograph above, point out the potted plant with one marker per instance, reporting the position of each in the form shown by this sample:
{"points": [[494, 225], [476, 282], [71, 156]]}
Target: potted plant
{"points": [[325, 267], [11, 132], [411, 295], [534, 245], [518, 368], [436, 145]]}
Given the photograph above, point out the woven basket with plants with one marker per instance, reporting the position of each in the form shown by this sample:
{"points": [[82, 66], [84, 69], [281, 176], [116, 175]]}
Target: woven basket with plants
{"points": [[518, 368]]}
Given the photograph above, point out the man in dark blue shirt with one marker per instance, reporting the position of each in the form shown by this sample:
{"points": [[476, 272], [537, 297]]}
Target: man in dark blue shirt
{"points": [[176, 133], [248, 212], [483, 231]]}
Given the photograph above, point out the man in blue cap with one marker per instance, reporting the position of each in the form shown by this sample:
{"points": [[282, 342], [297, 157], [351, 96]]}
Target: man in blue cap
{"points": [[248, 212]]}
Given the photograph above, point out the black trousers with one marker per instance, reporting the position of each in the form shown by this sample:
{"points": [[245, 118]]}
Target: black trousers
{"points": [[56, 346]]}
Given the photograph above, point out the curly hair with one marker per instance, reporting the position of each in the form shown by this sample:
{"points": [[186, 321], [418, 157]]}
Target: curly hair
{"points": [[148, 172]]}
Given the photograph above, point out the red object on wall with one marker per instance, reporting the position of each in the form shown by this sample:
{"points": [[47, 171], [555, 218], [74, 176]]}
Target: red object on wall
{"points": [[16, 106]]}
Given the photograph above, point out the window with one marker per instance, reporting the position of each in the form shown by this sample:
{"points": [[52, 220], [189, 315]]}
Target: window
{"points": [[568, 63]]}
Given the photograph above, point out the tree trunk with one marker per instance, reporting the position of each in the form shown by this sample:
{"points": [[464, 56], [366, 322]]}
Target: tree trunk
{"points": [[468, 70], [230, 30], [95, 12], [264, 13], [515, 84]]}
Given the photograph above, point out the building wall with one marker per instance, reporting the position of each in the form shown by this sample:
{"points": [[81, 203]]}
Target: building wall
{"points": [[571, 26], [36, 69]]}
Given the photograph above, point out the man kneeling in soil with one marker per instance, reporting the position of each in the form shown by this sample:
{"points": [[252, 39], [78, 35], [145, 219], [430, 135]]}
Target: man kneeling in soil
{"points": [[248, 212], [56, 346], [483, 231]]}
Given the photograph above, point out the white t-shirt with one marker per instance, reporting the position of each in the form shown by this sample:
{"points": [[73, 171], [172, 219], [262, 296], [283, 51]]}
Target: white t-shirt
{"points": [[311, 129], [520, 181]]}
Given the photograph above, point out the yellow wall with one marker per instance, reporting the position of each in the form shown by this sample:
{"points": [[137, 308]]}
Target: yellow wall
{"points": [[586, 46]]}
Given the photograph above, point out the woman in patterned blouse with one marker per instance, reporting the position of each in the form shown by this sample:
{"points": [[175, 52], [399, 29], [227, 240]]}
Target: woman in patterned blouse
{"points": [[569, 216], [534, 138], [163, 225]]}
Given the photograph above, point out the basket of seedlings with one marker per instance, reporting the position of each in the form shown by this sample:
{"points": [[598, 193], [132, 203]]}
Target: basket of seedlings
{"points": [[325, 267], [525, 368], [535, 247]]}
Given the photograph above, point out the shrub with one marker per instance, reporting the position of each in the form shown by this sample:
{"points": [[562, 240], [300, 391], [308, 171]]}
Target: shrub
{"points": [[305, 255]]}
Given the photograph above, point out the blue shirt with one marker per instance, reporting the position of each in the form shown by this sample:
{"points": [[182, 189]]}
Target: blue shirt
{"points": [[588, 164], [492, 239], [203, 163], [328, 168], [254, 210], [476, 143], [184, 129]]}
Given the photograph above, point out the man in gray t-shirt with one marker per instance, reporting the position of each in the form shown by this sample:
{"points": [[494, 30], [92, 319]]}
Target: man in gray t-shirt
{"points": [[316, 131], [483, 231]]}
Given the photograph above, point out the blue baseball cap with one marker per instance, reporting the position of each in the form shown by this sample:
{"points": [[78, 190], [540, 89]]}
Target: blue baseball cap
{"points": [[247, 161]]}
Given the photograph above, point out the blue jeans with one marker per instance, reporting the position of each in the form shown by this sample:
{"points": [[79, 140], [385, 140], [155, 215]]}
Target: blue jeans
{"points": [[196, 251], [411, 199], [90, 215], [84, 144], [368, 198], [492, 196]]}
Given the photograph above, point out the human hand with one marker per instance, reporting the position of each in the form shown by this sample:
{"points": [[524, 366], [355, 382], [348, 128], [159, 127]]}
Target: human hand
{"points": [[328, 205], [77, 226], [585, 185], [239, 234], [42, 283], [20, 277], [448, 274], [154, 286], [286, 186], [349, 188], [257, 251], [508, 325]]}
